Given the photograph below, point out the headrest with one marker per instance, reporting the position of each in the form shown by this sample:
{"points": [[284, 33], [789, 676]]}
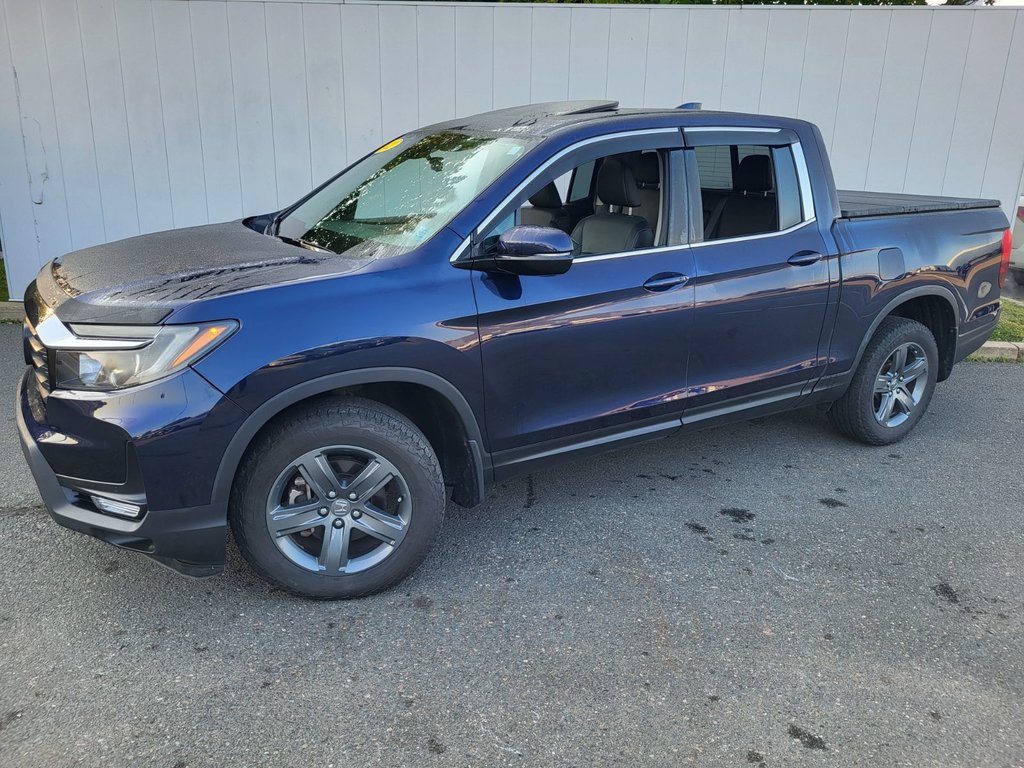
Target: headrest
{"points": [[754, 174], [646, 168], [616, 184], [546, 197]]}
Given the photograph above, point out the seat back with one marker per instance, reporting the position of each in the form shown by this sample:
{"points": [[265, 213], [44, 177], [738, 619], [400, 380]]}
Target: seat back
{"points": [[545, 209], [647, 171], [610, 232], [751, 208]]}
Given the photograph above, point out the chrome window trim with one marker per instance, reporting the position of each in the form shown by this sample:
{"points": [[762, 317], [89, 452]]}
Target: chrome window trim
{"points": [[804, 179], [680, 246], [583, 259], [667, 248], [760, 236], [729, 129], [457, 254]]}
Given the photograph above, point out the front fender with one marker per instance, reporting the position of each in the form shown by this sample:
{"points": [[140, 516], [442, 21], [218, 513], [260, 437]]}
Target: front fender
{"points": [[267, 410]]}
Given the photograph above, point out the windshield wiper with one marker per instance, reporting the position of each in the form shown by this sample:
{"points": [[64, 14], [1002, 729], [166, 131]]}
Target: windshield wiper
{"points": [[304, 244], [403, 219]]}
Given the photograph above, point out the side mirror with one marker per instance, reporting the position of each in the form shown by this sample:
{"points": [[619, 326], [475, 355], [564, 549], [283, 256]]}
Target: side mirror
{"points": [[529, 250]]}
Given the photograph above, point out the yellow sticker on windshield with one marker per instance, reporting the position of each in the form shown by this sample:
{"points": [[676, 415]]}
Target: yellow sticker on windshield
{"points": [[389, 145]]}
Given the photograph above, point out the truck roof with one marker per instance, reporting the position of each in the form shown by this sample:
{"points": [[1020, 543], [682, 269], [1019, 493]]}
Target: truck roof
{"points": [[547, 118]]}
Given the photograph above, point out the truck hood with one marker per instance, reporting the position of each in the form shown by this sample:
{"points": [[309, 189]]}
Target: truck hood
{"points": [[143, 279]]}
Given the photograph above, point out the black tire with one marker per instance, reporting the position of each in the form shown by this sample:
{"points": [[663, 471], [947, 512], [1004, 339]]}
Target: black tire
{"points": [[356, 422], [854, 414]]}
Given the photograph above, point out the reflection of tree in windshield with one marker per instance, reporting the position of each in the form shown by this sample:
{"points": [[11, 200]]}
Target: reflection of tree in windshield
{"points": [[400, 195]]}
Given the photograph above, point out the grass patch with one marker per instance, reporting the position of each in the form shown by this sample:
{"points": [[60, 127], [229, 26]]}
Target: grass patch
{"points": [[4, 293], [1011, 323]]}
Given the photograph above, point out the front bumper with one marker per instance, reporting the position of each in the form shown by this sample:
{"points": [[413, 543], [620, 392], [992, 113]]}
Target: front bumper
{"points": [[188, 539]]}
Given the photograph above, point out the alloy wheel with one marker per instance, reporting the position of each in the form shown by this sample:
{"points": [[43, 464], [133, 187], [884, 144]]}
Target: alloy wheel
{"points": [[339, 510], [900, 384]]}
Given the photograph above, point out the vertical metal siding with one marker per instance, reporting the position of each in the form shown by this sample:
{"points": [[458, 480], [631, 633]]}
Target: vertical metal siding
{"points": [[119, 117]]}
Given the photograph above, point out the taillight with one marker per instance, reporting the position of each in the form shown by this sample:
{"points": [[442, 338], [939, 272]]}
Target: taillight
{"points": [[1004, 265]]}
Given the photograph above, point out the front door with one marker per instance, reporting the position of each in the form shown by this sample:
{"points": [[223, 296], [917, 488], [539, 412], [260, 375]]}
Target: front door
{"points": [[598, 354]]}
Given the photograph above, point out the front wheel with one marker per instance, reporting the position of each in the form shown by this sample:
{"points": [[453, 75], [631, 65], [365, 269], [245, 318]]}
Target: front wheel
{"points": [[892, 386], [343, 498]]}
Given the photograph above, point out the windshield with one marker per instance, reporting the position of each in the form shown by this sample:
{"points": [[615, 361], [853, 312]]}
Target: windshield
{"points": [[398, 197]]}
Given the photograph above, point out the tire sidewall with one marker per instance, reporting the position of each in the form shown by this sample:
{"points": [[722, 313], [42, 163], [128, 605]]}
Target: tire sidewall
{"points": [[271, 457]]}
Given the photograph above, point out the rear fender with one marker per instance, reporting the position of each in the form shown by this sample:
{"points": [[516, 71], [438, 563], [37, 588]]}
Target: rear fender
{"points": [[833, 384], [903, 298]]}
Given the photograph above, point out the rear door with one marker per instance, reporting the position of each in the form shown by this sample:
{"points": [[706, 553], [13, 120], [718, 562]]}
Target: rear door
{"points": [[596, 355], [761, 277]]}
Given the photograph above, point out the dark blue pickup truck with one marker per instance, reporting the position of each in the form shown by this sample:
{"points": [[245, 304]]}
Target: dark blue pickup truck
{"points": [[473, 300]]}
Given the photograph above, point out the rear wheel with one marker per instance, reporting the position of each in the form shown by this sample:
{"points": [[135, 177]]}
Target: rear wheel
{"points": [[342, 499], [892, 386]]}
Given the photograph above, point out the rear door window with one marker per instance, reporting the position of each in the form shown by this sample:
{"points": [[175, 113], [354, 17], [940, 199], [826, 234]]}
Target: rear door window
{"points": [[747, 189]]}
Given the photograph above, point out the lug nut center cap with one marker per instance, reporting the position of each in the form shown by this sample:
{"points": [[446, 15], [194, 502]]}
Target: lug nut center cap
{"points": [[340, 507]]}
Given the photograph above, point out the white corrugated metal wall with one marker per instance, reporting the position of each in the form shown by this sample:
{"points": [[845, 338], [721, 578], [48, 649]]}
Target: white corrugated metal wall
{"points": [[126, 116]]}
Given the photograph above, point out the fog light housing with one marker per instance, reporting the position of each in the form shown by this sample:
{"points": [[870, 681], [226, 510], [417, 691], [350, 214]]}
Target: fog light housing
{"points": [[114, 507]]}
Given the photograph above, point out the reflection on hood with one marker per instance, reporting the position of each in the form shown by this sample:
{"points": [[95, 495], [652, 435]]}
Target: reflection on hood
{"points": [[144, 278]]}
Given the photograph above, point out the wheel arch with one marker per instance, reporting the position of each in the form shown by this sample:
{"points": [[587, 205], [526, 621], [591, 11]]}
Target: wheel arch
{"points": [[933, 305], [469, 485]]}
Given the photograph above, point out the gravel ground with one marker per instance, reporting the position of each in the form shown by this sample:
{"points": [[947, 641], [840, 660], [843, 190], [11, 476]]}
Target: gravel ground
{"points": [[762, 594]]}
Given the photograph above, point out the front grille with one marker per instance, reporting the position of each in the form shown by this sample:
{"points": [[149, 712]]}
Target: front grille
{"points": [[38, 357]]}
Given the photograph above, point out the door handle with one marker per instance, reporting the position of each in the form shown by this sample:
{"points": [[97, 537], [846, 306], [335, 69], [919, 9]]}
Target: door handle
{"points": [[805, 258], [664, 281]]}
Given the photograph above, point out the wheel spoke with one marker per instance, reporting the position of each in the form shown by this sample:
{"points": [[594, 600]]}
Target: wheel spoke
{"points": [[899, 360], [374, 476], [904, 399], [317, 473], [881, 385], [914, 370], [380, 525], [334, 551], [884, 412], [287, 520]]}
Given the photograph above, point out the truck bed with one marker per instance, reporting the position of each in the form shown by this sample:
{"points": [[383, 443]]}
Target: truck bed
{"points": [[859, 205]]}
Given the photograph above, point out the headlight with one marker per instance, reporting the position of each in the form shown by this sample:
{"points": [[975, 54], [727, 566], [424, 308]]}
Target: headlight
{"points": [[112, 357]]}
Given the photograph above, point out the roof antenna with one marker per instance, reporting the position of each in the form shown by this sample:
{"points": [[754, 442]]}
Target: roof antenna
{"points": [[690, 105]]}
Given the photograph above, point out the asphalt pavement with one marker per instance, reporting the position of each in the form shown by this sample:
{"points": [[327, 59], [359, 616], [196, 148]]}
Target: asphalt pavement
{"points": [[764, 594]]}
